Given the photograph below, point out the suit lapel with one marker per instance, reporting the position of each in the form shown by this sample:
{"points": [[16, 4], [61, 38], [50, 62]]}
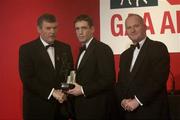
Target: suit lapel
{"points": [[44, 54], [88, 52], [126, 63], [140, 59], [129, 58], [58, 57], [77, 60]]}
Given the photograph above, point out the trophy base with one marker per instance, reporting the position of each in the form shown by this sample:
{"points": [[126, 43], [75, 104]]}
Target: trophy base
{"points": [[67, 86]]}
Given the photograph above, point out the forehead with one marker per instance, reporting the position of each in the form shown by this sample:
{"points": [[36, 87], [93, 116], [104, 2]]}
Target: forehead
{"points": [[49, 24], [133, 20], [81, 23]]}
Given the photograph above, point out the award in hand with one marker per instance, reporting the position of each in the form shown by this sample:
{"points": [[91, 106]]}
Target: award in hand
{"points": [[70, 81]]}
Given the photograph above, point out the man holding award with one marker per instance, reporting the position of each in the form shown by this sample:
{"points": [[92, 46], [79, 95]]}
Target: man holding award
{"points": [[43, 63], [95, 75]]}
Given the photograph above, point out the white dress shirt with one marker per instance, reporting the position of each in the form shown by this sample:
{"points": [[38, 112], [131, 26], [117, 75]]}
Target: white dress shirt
{"points": [[82, 54], [51, 52], [80, 58], [135, 55]]}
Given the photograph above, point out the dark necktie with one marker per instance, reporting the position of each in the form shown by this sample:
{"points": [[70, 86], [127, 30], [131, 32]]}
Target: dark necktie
{"points": [[131, 52], [136, 45], [82, 49], [50, 45]]}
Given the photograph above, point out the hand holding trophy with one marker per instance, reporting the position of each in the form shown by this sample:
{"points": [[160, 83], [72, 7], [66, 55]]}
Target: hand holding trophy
{"points": [[69, 84]]}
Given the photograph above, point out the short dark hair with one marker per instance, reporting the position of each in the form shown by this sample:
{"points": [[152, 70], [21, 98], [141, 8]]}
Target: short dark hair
{"points": [[84, 17], [45, 17]]}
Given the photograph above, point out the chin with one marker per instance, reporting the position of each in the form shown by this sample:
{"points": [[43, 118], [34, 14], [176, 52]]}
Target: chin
{"points": [[82, 41], [134, 39], [51, 41]]}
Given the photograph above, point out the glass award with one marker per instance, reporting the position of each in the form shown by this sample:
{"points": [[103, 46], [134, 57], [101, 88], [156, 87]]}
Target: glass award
{"points": [[69, 84]]}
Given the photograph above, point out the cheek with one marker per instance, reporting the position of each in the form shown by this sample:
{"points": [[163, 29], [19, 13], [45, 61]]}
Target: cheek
{"points": [[45, 34], [128, 32], [140, 30], [89, 33], [77, 32]]}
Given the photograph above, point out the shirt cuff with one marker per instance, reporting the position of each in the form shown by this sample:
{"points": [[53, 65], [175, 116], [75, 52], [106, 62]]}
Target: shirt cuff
{"points": [[50, 94], [82, 91], [138, 101]]}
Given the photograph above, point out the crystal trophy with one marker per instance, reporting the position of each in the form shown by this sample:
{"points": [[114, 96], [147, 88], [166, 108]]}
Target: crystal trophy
{"points": [[69, 84]]}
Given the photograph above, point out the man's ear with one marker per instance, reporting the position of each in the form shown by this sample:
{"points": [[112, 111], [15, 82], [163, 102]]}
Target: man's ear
{"points": [[38, 29], [93, 29]]}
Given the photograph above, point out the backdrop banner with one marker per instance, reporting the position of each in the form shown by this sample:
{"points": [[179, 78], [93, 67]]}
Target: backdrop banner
{"points": [[162, 18]]}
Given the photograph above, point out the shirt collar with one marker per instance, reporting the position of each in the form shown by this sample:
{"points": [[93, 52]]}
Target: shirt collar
{"points": [[142, 42], [87, 44], [44, 43]]}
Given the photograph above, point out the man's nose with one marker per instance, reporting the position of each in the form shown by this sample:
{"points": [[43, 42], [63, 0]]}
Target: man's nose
{"points": [[132, 29], [80, 31], [52, 30]]}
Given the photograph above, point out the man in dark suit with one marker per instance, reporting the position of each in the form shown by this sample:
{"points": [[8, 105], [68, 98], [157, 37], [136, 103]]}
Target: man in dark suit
{"points": [[95, 74], [144, 70], [43, 64]]}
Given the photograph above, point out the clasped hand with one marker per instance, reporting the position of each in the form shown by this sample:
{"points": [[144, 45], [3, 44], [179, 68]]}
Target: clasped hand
{"points": [[129, 104], [76, 91], [59, 95]]}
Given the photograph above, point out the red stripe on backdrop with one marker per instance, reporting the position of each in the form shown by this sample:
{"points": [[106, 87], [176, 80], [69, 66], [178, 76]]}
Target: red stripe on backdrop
{"points": [[174, 2], [18, 25]]}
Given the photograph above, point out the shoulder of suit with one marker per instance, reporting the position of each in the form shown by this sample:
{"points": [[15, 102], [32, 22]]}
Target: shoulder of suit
{"points": [[157, 44], [125, 52], [100, 44], [30, 43], [156, 48]]}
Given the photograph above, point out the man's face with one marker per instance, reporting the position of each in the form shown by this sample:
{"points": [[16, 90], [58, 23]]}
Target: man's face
{"points": [[48, 31], [83, 31], [136, 30]]}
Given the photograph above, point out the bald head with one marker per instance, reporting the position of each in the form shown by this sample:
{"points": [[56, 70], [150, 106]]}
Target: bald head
{"points": [[135, 27]]}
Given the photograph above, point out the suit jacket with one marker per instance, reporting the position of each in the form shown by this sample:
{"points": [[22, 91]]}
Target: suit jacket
{"points": [[96, 74], [39, 77], [147, 80]]}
